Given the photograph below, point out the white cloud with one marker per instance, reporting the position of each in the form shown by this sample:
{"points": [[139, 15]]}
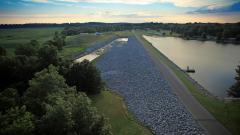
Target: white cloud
{"points": [[200, 3], [179, 3]]}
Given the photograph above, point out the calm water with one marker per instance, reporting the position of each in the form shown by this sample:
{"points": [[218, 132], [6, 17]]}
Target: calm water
{"points": [[214, 63]]}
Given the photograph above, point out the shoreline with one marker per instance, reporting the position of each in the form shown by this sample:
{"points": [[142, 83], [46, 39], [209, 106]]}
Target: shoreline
{"points": [[201, 106], [224, 42], [193, 81], [200, 87]]}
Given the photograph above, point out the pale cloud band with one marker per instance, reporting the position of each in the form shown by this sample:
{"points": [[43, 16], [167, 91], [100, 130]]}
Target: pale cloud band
{"points": [[178, 11], [179, 3]]}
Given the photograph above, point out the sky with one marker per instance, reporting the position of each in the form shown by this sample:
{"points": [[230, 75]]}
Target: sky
{"points": [[132, 11]]}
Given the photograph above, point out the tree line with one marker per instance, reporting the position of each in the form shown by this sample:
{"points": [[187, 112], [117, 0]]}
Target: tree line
{"points": [[220, 32], [42, 93], [229, 32]]}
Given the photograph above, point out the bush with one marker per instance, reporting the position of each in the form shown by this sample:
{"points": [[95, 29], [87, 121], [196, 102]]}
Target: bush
{"points": [[85, 77], [17, 121], [3, 51], [235, 89], [29, 49], [8, 98], [48, 55]]}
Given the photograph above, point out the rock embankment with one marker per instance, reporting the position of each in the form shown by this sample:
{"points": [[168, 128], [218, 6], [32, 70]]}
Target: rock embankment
{"points": [[128, 70]]}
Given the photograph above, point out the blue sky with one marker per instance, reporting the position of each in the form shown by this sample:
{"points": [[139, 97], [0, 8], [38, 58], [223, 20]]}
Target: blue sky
{"points": [[61, 11]]}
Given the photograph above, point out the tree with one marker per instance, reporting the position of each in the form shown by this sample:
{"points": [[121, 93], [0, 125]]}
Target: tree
{"points": [[47, 55], [219, 36], [8, 98], [71, 112], [17, 121], [16, 71], [238, 38], [6, 68], [235, 89], [85, 77], [44, 83], [29, 49], [57, 41], [57, 120], [204, 36], [3, 51]]}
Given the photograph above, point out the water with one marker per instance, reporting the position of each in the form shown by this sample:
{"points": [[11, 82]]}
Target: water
{"points": [[214, 63]]}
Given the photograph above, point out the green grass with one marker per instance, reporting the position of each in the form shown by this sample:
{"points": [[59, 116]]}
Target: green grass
{"points": [[123, 123], [78, 43], [228, 113], [11, 38]]}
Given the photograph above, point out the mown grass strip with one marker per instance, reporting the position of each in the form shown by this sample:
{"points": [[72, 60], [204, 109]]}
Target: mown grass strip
{"points": [[123, 123]]}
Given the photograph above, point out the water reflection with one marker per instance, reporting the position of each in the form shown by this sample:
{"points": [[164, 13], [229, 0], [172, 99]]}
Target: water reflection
{"points": [[214, 63]]}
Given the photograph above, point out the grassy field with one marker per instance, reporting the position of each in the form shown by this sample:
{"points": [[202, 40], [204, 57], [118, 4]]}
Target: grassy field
{"points": [[228, 113], [112, 105], [78, 43], [11, 38]]}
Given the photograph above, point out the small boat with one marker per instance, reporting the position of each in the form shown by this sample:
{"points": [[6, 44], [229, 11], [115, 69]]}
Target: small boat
{"points": [[188, 70]]}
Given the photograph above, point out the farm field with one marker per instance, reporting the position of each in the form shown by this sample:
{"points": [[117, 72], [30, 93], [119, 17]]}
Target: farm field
{"points": [[11, 38]]}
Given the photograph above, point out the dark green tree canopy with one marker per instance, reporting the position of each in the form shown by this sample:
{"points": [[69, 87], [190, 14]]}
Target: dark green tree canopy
{"points": [[29, 49], [17, 121], [86, 77], [3, 51], [8, 98], [60, 109], [44, 83]]}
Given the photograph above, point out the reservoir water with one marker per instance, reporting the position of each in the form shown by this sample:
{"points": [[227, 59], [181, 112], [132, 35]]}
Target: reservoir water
{"points": [[214, 63]]}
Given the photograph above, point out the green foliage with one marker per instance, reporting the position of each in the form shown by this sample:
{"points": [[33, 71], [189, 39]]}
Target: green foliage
{"points": [[6, 68], [47, 55], [3, 51], [17, 121], [58, 41], [60, 109], [16, 71], [85, 77], [50, 106], [235, 89], [45, 82], [29, 49], [70, 112], [8, 98]]}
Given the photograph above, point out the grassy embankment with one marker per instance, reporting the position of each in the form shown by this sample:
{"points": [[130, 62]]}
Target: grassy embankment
{"points": [[123, 123], [228, 113], [108, 103]]}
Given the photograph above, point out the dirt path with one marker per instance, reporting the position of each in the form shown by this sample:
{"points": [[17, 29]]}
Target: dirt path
{"points": [[200, 114]]}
